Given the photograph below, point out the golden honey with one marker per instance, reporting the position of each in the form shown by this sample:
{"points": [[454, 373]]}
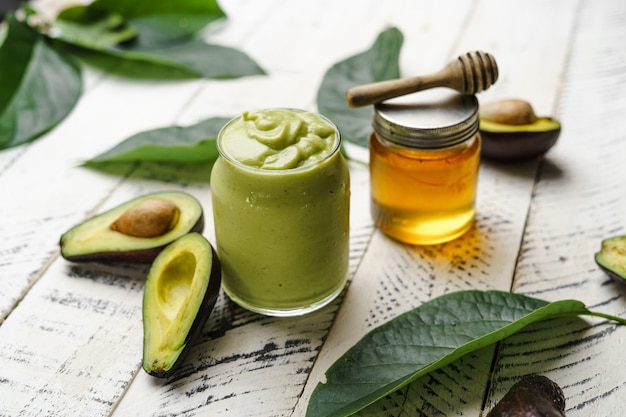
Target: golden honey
{"points": [[424, 162]]}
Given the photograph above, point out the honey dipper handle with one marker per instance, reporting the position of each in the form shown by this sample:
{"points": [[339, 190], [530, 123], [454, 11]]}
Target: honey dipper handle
{"points": [[468, 74], [366, 94]]}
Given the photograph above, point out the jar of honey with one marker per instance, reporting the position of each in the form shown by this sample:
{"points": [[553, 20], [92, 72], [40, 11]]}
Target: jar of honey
{"points": [[424, 161]]}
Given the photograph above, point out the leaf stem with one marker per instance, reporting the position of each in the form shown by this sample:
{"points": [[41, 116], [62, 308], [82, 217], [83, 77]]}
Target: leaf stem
{"points": [[611, 317]]}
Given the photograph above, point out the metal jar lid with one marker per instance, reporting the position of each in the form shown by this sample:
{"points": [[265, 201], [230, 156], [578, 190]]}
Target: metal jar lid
{"points": [[432, 119]]}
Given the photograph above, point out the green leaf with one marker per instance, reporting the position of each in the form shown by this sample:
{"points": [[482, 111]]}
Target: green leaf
{"points": [[153, 34], [149, 40], [426, 339], [196, 57], [38, 86], [189, 144], [141, 8], [160, 29], [91, 28], [379, 63]]}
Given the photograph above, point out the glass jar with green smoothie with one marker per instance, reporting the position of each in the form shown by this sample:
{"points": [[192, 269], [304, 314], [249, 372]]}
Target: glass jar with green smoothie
{"points": [[281, 194]]}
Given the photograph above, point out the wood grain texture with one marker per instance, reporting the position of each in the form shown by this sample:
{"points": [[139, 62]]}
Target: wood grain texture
{"points": [[394, 278], [73, 344], [70, 335], [579, 200], [50, 193]]}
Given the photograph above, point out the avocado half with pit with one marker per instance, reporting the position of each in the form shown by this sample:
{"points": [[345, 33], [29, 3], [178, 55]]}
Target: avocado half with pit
{"points": [[179, 295], [612, 258], [518, 142], [511, 131], [135, 231]]}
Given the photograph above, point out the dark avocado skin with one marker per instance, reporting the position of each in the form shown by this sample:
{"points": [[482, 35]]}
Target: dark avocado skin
{"points": [[612, 247], [532, 396], [208, 303], [517, 146], [606, 266], [143, 256], [613, 275], [94, 240], [518, 142]]}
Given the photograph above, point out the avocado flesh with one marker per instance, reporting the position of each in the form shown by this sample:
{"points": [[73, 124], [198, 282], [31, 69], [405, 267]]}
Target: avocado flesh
{"points": [[179, 295], [612, 258], [93, 240], [541, 124], [508, 142]]}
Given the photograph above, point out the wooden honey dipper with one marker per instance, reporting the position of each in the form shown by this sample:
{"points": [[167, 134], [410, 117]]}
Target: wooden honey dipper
{"points": [[468, 74]]}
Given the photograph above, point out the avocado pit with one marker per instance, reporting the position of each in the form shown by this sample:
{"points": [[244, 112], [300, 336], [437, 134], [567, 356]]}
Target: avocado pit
{"points": [[135, 231], [509, 112], [511, 130], [148, 218]]}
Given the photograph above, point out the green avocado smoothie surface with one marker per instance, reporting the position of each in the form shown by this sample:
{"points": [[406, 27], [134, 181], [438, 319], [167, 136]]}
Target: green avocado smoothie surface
{"points": [[279, 139], [280, 197]]}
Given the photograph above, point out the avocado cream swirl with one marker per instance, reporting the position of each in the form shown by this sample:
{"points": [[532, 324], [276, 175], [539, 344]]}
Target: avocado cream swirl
{"points": [[279, 139]]}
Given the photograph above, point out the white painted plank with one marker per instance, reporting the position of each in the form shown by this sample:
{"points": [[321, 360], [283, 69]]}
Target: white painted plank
{"points": [[298, 42], [394, 278], [264, 391], [530, 41], [64, 350], [79, 404], [50, 192], [82, 309], [74, 344], [245, 364], [579, 200]]}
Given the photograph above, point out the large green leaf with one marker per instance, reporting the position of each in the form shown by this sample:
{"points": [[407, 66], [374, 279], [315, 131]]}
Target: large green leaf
{"points": [[379, 63], [161, 29], [141, 8], [426, 339], [195, 57], [38, 86], [91, 28], [152, 35], [186, 144]]}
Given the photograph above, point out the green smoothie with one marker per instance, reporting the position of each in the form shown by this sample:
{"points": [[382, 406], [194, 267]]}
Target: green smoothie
{"points": [[280, 193]]}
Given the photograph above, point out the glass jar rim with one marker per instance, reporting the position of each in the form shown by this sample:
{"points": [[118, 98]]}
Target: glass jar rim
{"points": [[301, 168], [436, 119]]}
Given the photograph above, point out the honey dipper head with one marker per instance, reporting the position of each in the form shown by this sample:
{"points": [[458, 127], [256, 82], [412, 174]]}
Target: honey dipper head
{"points": [[479, 71]]}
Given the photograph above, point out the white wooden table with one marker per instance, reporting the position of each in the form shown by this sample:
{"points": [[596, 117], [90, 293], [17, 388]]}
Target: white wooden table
{"points": [[71, 334]]}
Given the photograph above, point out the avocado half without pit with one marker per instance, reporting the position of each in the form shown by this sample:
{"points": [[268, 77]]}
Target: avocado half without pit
{"points": [[135, 231], [511, 131], [179, 295], [612, 258]]}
